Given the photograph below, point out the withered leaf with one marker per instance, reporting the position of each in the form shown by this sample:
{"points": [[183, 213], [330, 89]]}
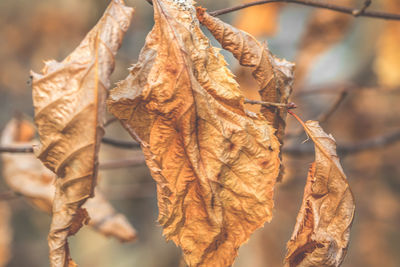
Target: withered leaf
{"points": [[324, 29], [274, 76], [322, 231], [69, 100], [214, 163], [5, 234], [25, 175]]}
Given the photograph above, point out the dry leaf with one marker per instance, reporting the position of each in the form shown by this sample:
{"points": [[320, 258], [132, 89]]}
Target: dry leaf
{"points": [[215, 164], [69, 100], [266, 22], [274, 76], [322, 231], [387, 61], [325, 28], [5, 234], [25, 175]]}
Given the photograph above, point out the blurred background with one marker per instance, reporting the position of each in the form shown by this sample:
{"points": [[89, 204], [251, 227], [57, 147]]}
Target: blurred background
{"points": [[348, 76]]}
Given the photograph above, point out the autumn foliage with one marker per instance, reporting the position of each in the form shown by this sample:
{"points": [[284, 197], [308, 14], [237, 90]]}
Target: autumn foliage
{"points": [[215, 163]]}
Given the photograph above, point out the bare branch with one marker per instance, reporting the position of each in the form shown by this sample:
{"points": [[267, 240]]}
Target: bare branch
{"points": [[123, 163], [323, 117], [290, 105], [105, 140], [110, 121], [119, 143], [363, 12], [8, 195], [26, 149], [344, 150]]}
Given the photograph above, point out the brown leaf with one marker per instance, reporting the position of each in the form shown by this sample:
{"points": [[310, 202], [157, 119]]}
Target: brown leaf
{"points": [[274, 76], [322, 231], [214, 163], [69, 100], [387, 61], [25, 175], [325, 28], [266, 22], [5, 234]]}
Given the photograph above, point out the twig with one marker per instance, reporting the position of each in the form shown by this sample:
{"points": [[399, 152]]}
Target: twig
{"points": [[27, 149], [123, 163], [119, 143], [290, 105], [323, 117], [8, 195], [361, 11], [314, 3], [105, 140], [348, 149], [110, 121]]}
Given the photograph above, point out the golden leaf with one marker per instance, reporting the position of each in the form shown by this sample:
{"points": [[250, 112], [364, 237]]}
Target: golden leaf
{"points": [[5, 234], [69, 100], [325, 28], [387, 61], [274, 76], [25, 175], [214, 163], [266, 22], [322, 231]]}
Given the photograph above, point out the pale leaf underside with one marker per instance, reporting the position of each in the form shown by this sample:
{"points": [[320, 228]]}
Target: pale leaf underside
{"points": [[69, 100], [322, 231], [215, 164], [25, 175]]}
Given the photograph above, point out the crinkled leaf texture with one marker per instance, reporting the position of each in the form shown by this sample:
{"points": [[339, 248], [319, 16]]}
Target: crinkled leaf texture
{"points": [[69, 100], [273, 75], [25, 175], [215, 164], [322, 231]]}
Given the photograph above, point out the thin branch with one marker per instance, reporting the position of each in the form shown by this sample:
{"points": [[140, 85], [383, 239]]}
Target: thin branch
{"points": [[105, 140], [110, 121], [27, 149], [348, 149], [8, 195], [290, 105], [120, 143], [324, 117], [363, 12], [123, 163]]}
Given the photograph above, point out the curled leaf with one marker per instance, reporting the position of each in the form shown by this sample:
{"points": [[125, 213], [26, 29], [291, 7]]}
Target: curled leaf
{"points": [[214, 163], [274, 76], [69, 100], [322, 232], [25, 175]]}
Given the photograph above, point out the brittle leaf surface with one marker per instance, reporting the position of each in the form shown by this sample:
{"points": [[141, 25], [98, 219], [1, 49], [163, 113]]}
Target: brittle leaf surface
{"points": [[214, 163], [69, 101], [322, 232]]}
